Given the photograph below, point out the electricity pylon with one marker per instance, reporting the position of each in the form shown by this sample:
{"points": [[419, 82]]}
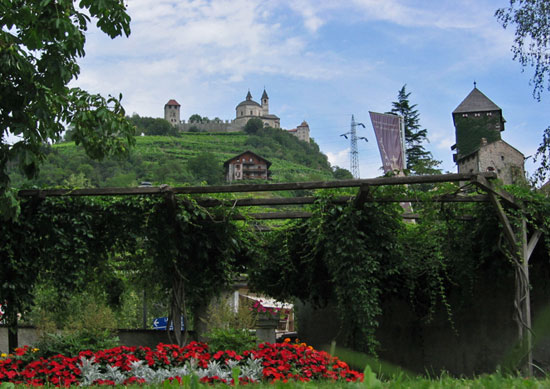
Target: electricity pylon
{"points": [[354, 154]]}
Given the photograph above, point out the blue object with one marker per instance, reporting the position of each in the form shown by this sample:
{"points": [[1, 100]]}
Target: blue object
{"points": [[160, 324]]}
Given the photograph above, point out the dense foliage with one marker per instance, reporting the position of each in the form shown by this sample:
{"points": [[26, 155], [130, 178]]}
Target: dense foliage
{"points": [[253, 126], [152, 126], [277, 143], [352, 255], [40, 43], [355, 258], [164, 242]]}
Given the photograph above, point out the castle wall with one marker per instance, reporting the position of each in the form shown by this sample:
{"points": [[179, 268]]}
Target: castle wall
{"points": [[210, 127]]}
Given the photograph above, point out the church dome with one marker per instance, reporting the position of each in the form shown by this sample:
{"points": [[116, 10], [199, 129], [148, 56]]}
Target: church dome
{"points": [[248, 102]]}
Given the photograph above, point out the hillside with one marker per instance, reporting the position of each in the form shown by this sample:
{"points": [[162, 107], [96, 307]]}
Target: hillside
{"points": [[188, 159]]}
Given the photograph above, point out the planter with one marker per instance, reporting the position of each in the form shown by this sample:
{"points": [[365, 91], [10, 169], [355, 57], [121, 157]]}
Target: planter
{"points": [[266, 324]]}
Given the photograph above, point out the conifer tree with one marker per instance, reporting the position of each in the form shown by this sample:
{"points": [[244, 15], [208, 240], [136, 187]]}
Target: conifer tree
{"points": [[419, 160]]}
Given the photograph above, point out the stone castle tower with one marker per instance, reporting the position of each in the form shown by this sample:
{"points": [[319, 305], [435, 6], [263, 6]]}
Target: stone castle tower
{"points": [[479, 148], [172, 112]]}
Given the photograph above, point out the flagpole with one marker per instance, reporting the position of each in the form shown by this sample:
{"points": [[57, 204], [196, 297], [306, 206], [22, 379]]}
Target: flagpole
{"points": [[402, 129]]}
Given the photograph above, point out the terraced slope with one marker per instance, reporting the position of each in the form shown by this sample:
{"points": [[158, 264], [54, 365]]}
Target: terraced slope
{"points": [[165, 160]]}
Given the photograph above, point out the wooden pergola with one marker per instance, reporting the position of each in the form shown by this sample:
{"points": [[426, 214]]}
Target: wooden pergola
{"points": [[522, 245]]}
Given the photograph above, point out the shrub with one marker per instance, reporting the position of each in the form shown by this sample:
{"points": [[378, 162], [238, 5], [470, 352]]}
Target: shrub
{"points": [[236, 339], [91, 329]]}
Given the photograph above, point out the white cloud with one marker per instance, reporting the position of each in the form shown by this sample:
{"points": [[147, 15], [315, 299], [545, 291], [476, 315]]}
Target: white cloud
{"points": [[339, 158]]}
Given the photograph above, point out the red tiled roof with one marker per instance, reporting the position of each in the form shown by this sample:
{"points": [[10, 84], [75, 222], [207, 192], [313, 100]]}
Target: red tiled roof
{"points": [[293, 130], [173, 102]]}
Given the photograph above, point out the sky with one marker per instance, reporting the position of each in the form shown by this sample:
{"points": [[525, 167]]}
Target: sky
{"points": [[322, 62]]}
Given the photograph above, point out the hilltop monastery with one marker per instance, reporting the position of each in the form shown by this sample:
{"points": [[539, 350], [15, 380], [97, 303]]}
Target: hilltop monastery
{"points": [[244, 111]]}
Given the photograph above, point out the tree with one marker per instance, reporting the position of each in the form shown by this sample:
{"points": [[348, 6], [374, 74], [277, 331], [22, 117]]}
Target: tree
{"points": [[153, 126], [531, 46], [532, 42], [253, 126], [195, 118], [419, 160], [341, 174], [40, 42], [205, 167]]}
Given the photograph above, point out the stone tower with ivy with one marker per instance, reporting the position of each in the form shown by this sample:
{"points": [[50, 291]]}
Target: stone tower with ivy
{"points": [[475, 118], [479, 148]]}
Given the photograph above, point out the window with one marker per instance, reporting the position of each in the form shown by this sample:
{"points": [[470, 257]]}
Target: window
{"points": [[242, 113], [489, 114], [250, 112], [477, 114], [464, 115]]}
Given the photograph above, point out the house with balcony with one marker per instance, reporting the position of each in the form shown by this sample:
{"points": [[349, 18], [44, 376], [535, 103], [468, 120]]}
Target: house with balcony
{"points": [[246, 166]]}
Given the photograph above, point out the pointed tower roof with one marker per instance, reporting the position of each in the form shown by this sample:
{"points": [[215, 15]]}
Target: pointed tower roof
{"points": [[264, 95], [248, 101], [173, 102], [476, 102]]}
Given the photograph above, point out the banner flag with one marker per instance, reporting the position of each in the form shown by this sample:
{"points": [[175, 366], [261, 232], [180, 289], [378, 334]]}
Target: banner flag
{"points": [[390, 141]]}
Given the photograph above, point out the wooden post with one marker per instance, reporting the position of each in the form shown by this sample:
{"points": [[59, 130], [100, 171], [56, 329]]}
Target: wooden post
{"points": [[12, 328], [520, 251], [528, 335]]}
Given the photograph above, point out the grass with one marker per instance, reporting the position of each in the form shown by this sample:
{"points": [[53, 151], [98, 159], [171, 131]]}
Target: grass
{"points": [[494, 381]]}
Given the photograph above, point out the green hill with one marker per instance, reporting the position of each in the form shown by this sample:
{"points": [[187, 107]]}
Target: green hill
{"points": [[188, 159]]}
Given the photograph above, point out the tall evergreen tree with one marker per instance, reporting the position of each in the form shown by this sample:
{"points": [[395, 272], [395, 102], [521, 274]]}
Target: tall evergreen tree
{"points": [[419, 160]]}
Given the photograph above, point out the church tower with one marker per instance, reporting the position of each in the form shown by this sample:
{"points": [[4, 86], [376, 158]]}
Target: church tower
{"points": [[265, 103], [475, 118], [172, 112]]}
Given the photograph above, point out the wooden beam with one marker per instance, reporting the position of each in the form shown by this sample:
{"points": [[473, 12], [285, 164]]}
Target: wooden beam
{"points": [[482, 183], [532, 244], [310, 185], [273, 216], [508, 231], [250, 202]]}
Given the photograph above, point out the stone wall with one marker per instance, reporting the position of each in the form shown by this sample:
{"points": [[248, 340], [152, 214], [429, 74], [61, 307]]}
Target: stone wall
{"points": [[498, 157], [138, 337], [210, 126]]}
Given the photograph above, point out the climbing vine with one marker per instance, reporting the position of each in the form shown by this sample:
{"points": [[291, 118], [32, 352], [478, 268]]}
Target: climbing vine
{"points": [[356, 256], [359, 257], [168, 241]]}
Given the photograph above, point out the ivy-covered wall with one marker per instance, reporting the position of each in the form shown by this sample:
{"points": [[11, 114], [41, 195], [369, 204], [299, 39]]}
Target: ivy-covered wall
{"points": [[481, 337], [470, 130]]}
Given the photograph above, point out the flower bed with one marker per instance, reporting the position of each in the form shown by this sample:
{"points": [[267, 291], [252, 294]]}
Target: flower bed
{"points": [[269, 362]]}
